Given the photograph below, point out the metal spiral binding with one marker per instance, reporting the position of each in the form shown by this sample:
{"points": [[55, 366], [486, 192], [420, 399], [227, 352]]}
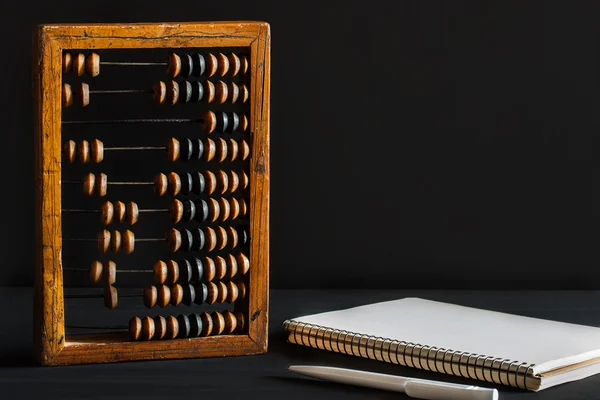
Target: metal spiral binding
{"points": [[451, 362]]}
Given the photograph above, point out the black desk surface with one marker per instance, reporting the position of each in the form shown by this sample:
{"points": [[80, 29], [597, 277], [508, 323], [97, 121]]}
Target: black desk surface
{"points": [[265, 376]]}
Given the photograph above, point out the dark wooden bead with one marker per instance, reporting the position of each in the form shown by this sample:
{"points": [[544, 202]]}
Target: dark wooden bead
{"points": [[234, 122], [241, 289], [176, 209], [150, 296], [172, 327], [185, 149], [135, 328], [198, 183], [96, 272], [148, 328], [109, 272], [198, 239], [189, 210], [185, 91], [184, 326], [186, 240], [207, 324], [222, 122], [242, 233], [197, 92], [187, 65], [218, 323], [197, 149], [189, 294], [185, 271], [195, 325], [110, 297], [201, 293], [160, 327], [128, 242], [241, 321], [177, 294], [209, 269], [199, 64], [201, 210], [187, 184], [107, 211], [220, 267], [230, 322], [197, 269], [161, 272]]}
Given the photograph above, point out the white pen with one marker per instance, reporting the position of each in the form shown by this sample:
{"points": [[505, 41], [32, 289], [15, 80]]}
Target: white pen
{"points": [[413, 387]]}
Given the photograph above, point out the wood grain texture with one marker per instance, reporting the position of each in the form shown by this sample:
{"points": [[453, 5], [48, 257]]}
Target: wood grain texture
{"points": [[51, 345]]}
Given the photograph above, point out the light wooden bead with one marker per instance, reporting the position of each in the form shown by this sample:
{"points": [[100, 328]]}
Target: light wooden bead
{"points": [[160, 325], [110, 272], [234, 207], [101, 185], [172, 92], [234, 181], [210, 149], [243, 263], [135, 328], [172, 327], [150, 296], [214, 210], [97, 150], [233, 149], [244, 93], [243, 123], [103, 241], [70, 150], [232, 292], [161, 184], [67, 95], [110, 297], [230, 322], [221, 292], [210, 91], [241, 321], [148, 328], [164, 295], [232, 265], [210, 182], [243, 207], [245, 150], [221, 150], [172, 271], [133, 213], [235, 64], [218, 322], [173, 240], [225, 209], [176, 294], [159, 92], [83, 151], [120, 211], [234, 92], [212, 64], [88, 184], [161, 272], [221, 237], [128, 242], [66, 62], [212, 293], [173, 65], [96, 272], [176, 211], [221, 92], [173, 149], [207, 324], [223, 64], [84, 94], [174, 186], [220, 267], [210, 269], [244, 180], [245, 65], [232, 237], [92, 65], [241, 289], [115, 241], [78, 64], [222, 181], [210, 238], [209, 122]]}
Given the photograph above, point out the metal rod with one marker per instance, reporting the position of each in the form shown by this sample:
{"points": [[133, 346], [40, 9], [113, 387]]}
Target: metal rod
{"points": [[151, 240], [120, 91], [131, 63], [79, 210], [155, 210], [136, 148], [135, 121], [96, 327]]}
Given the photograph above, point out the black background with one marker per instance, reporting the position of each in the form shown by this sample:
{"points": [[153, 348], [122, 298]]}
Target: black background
{"points": [[421, 144]]}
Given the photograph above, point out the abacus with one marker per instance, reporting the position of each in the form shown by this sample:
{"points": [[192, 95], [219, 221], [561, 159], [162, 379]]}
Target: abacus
{"points": [[152, 149]]}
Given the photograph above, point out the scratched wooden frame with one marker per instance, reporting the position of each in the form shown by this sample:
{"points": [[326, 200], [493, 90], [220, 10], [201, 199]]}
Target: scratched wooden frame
{"points": [[52, 347]]}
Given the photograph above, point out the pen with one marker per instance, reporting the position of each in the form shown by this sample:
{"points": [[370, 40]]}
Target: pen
{"points": [[413, 387]]}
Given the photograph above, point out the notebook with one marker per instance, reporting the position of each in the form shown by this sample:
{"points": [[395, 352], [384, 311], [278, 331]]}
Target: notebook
{"points": [[506, 349]]}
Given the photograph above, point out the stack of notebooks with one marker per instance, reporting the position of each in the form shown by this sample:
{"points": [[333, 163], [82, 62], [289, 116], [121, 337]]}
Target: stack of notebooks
{"points": [[523, 352]]}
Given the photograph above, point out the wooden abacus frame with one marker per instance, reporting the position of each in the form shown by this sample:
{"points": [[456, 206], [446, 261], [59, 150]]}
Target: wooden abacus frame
{"points": [[52, 346]]}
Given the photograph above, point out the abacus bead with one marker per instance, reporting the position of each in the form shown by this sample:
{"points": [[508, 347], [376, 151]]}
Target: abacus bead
{"points": [[135, 328], [195, 325], [133, 213], [210, 239], [223, 181], [233, 236], [199, 65], [241, 289], [221, 292], [174, 186], [201, 210], [197, 92], [78, 64], [186, 65], [88, 184], [234, 92], [212, 293], [184, 326], [242, 234], [97, 149], [110, 297], [210, 180], [110, 272], [115, 241], [101, 185], [67, 95], [172, 271], [218, 322], [173, 65], [213, 209], [185, 91], [70, 151], [241, 321], [211, 64], [128, 242], [209, 122], [244, 92], [220, 267], [160, 272], [221, 150], [243, 123], [234, 181], [172, 327], [173, 149], [173, 240], [103, 241], [244, 180], [83, 151], [232, 292], [233, 122], [243, 263], [209, 91], [221, 92], [197, 149], [84, 94], [185, 149], [232, 266], [234, 207], [160, 184], [148, 328], [176, 294], [222, 122], [245, 150], [198, 239], [186, 240], [244, 62], [224, 207], [189, 210], [210, 150], [230, 322], [172, 92], [223, 64], [106, 212], [201, 293], [92, 65], [209, 269], [187, 183], [120, 211], [234, 64], [185, 271], [198, 183], [66, 62], [233, 149], [189, 295], [197, 269], [164, 295], [150, 296], [96, 272], [160, 327], [160, 92], [207, 324]]}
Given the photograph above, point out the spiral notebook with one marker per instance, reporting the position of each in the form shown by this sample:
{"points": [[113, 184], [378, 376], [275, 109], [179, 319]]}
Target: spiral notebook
{"points": [[523, 352]]}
